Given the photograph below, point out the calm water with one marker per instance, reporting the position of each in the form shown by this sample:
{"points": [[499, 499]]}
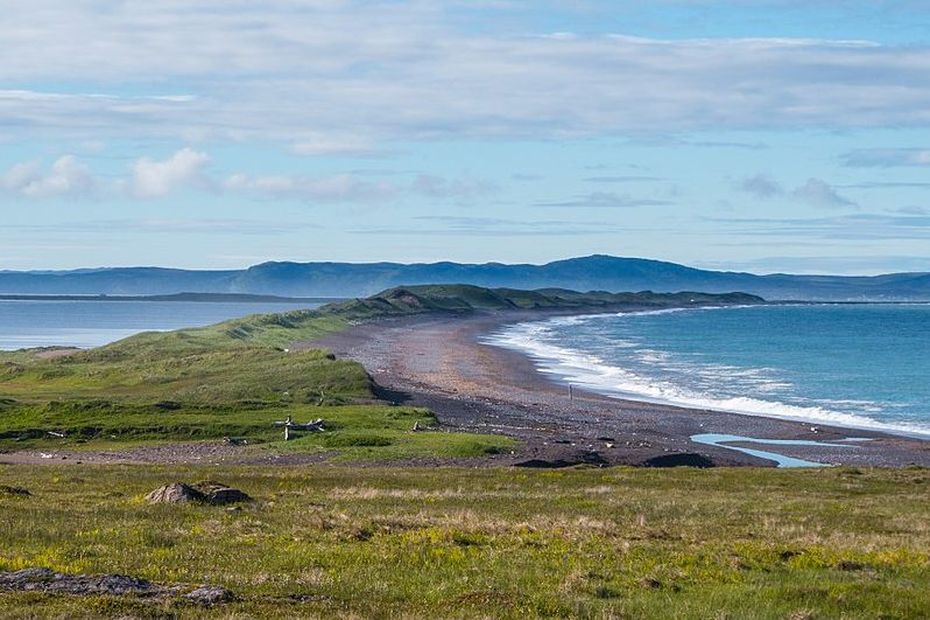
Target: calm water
{"points": [[859, 366], [94, 323]]}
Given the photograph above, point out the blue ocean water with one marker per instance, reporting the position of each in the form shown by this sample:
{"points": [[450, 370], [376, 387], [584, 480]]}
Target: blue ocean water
{"points": [[861, 366], [93, 323]]}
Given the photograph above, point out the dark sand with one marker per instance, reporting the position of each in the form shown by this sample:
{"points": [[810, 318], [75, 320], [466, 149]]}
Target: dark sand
{"points": [[439, 363]]}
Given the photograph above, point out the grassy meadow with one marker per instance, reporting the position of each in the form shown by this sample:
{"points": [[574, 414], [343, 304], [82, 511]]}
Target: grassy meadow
{"points": [[232, 380], [341, 541]]}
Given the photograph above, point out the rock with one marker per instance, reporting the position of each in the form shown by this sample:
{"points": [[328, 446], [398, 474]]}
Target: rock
{"points": [[210, 595], [684, 459], [45, 580], [220, 497], [14, 491], [208, 492], [175, 493], [27, 575]]}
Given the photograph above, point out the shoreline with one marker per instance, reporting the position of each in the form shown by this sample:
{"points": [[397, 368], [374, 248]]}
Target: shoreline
{"points": [[548, 368], [478, 387]]}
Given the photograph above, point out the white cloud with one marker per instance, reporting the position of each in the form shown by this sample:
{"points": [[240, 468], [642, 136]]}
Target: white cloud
{"points": [[66, 177], [814, 191], [188, 169], [155, 179], [820, 193], [887, 158], [761, 186], [312, 73], [330, 189]]}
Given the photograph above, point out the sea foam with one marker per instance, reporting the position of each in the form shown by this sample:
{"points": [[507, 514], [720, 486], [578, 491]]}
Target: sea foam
{"points": [[539, 341]]}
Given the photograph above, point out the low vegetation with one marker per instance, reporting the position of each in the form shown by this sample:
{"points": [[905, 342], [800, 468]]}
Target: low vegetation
{"points": [[338, 541]]}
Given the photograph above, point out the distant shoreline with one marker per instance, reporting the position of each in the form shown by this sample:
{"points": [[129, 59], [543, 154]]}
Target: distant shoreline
{"points": [[178, 297], [480, 387]]}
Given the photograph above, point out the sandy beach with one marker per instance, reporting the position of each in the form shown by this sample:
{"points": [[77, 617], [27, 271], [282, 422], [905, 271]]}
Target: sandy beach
{"points": [[440, 363]]}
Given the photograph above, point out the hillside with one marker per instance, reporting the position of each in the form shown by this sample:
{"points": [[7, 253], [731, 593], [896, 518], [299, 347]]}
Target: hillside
{"points": [[592, 273]]}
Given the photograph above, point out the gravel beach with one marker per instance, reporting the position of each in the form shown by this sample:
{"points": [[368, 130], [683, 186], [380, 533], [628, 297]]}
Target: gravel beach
{"points": [[439, 362]]}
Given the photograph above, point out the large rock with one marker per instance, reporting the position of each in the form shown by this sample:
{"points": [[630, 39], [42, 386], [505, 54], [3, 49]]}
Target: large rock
{"points": [[220, 497], [210, 595], [207, 492], [175, 493], [45, 580]]}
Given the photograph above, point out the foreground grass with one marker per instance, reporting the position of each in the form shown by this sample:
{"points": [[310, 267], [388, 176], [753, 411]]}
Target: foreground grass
{"points": [[335, 541]]}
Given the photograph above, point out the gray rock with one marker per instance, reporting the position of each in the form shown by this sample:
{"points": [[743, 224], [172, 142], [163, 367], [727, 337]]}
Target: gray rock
{"points": [[210, 595], [220, 497], [45, 580], [175, 493], [208, 492]]}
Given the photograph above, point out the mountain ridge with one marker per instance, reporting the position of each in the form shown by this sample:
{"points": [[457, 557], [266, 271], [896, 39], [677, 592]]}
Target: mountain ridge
{"points": [[340, 279]]}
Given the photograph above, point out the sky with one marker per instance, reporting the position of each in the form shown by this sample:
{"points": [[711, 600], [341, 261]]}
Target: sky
{"points": [[756, 135]]}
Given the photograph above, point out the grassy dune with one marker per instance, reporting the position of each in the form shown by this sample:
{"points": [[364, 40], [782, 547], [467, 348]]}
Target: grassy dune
{"points": [[371, 542], [235, 378]]}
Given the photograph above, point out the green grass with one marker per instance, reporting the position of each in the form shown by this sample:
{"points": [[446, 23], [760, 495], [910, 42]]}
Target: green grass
{"points": [[373, 542], [233, 379]]}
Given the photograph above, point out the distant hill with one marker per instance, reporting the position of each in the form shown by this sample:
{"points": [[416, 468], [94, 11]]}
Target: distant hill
{"points": [[592, 273]]}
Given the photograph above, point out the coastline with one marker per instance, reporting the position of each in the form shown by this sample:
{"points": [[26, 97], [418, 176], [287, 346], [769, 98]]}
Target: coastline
{"points": [[439, 362]]}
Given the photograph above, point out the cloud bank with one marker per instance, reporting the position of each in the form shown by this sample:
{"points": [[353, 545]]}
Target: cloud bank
{"points": [[340, 76]]}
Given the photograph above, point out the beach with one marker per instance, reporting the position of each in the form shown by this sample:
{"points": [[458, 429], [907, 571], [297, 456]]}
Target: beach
{"points": [[439, 362]]}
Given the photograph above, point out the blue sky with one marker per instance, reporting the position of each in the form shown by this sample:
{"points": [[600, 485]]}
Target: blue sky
{"points": [[745, 134]]}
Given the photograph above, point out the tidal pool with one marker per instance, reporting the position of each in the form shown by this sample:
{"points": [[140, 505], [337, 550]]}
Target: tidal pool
{"points": [[719, 440]]}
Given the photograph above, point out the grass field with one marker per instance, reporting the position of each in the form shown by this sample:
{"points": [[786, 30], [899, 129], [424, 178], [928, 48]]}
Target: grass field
{"points": [[233, 379], [389, 542]]}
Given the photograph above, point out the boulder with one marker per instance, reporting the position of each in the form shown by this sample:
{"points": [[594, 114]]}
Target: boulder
{"points": [[175, 493], [210, 595], [207, 492], [220, 497], [45, 580]]}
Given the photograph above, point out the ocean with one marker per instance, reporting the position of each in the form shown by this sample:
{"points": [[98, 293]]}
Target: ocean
{"points": [[92, 323], [859, 366]]}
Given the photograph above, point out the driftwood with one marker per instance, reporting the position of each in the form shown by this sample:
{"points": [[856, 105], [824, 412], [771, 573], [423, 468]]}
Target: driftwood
{"points": [[289, 425]]}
